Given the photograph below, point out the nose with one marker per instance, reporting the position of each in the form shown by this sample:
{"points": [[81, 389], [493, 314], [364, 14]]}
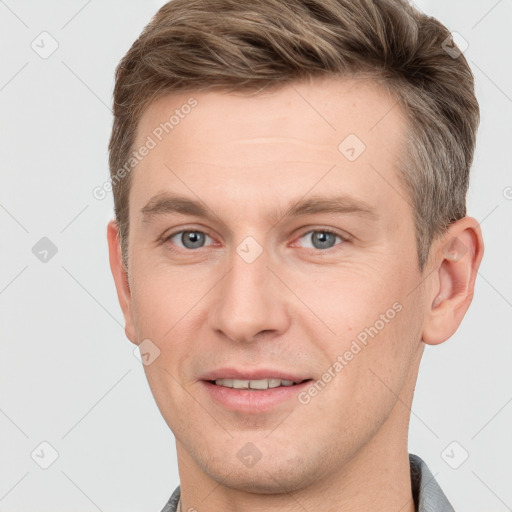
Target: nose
{"points": [[250, 301]]}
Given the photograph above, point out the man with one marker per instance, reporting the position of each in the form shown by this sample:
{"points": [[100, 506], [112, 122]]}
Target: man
{"points": [[289, 182]]}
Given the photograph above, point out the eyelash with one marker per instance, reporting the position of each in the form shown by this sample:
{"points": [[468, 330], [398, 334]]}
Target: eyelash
{"points": [[321, 252]]}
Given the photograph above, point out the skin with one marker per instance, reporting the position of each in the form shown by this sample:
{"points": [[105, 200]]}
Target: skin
{"points": [[292, 308]]}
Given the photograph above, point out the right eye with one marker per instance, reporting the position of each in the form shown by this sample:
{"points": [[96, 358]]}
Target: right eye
{"points": [[190, 239]]}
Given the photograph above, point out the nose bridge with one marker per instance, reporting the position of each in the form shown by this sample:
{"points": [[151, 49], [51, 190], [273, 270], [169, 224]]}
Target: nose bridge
{"points": [[248, 299]]}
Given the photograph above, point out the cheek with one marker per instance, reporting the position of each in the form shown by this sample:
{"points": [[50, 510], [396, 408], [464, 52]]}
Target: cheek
{"points": [[375, 328], [349, 301], [391, 343], [161, 298], [371, 364], [168, 308]]}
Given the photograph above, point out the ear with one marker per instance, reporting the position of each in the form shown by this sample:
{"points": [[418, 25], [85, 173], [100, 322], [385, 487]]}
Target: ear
{"points": [[120, 275], [455, 259]]}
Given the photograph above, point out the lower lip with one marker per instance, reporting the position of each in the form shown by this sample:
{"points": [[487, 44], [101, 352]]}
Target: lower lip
{"points": [[253, 400]]}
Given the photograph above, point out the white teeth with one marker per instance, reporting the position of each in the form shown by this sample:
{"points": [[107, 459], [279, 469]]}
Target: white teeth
{"points": [[240, 384], [259, 384], [254, 384]]}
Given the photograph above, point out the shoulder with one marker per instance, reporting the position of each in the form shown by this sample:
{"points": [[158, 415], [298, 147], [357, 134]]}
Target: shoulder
{"points": [[428, 496], [172, 504]]}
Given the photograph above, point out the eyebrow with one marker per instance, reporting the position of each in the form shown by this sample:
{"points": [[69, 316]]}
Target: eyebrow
{"points": [[167, 204]]}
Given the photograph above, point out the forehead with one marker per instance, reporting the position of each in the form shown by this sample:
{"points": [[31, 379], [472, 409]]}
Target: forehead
{"points": [[334, 106], [285, 141]]}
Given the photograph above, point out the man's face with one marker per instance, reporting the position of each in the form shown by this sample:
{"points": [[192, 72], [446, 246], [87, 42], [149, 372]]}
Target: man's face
{"points": [[251, 290]]}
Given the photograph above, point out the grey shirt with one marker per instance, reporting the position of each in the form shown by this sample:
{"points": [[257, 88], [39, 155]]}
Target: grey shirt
{"points": [[428, 496]]}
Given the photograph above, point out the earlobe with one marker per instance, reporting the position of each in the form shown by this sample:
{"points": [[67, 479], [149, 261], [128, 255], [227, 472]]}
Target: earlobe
{"points": [[456, 258], [120, 276]]}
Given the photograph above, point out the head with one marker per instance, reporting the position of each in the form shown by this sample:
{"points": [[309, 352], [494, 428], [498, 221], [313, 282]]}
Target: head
{"points": [[282, 121]]}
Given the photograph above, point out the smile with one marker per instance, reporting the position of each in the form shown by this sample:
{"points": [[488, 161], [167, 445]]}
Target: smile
{"points": [[254, 384], [254, 396]]}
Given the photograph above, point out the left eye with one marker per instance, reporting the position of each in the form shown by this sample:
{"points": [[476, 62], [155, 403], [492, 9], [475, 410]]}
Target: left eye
{"points": [[321, 239]]}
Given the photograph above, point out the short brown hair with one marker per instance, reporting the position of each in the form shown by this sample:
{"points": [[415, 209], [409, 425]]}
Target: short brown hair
{"points": [[241, 45]]}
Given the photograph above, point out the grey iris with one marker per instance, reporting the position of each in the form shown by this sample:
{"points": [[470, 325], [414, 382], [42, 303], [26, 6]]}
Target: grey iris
{"points": [[194, 238], [323, 238]]}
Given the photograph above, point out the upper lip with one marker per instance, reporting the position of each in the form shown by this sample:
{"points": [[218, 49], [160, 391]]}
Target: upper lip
{"points": [[253, 374]]}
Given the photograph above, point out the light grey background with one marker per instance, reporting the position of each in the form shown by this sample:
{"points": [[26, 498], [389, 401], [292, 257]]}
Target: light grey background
{"points": [[68, 374]]}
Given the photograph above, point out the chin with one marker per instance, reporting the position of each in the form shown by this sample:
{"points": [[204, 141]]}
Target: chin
{"points": [[276, 472], [266, 479]]}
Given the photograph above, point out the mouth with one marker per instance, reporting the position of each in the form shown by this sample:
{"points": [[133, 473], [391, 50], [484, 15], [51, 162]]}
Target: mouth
{"points": [[256, 384], [254, 396]]}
